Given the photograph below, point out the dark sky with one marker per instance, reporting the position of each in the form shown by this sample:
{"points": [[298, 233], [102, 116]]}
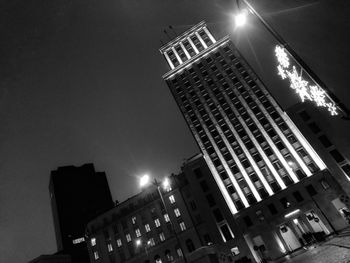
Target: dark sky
{"points": [[80, 81]]}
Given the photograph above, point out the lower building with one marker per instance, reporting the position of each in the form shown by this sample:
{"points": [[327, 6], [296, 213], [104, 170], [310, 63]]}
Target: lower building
{"points": [[156, 225], [304, 213], [189, 221]]}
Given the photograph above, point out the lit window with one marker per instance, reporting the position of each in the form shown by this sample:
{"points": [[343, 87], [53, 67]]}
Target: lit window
{"points": [[147, 227], [109, 247], [151, 242], [157, 222], [96, 256], [78, 240], [235, 251], [128, 237], [177, 212], [93, 241], [166, 218], [133, 219], [182, 226], [162, 236], [138, 232], [172, 199], [119, 242], [179, 252]]}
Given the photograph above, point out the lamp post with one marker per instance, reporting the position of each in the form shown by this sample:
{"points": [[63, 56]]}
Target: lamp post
{"points": [[139, 242], [144, 180], [319, 93]]}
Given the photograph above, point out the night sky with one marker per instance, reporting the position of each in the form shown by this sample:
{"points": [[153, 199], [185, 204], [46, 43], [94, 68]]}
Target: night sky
{"points": [[81, 82]]}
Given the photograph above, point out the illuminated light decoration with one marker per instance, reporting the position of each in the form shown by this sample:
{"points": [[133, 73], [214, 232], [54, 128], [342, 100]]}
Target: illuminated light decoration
{"points": [[292, 213], [282, 57], [332, 109], [318, 95], [300, 84], [281, 72]]}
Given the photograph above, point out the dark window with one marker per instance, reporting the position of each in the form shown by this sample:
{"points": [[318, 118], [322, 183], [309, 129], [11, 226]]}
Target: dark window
{"points": [[247, 221], [325, 184], [304, 115], [314, 128], [211, 200], [207, 238], [245, 163], [198, 173], [275, 187], [346, 169], [268, 151], [280, 145], [251, 199], [300, 174], [337, 156], [223, 175], [298, 196], [324, 140], [292, 139], [190, 246], [257, 157], [193, 205], [311, 190], [218, 216], [239, 205], [313, 168], [226, 232], [284, 202], [272, 209], [204, 186], [231, 190]]}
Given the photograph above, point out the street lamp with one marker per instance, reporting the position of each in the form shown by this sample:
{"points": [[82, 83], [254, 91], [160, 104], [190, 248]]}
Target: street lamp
{"points": [[140, 243], [317, 91], [145, 180]]}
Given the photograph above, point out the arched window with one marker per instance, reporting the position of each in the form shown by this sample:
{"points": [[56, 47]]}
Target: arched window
{"points": [[190, 245], [157, 259]]}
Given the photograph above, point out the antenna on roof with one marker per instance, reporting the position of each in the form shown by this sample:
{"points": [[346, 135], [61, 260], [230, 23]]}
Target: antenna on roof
{"points": [[166, 33], [172, 29]]}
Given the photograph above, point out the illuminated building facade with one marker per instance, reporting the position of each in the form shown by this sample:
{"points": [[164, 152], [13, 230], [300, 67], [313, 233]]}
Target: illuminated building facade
{"points": [[254, 151], [252, 147]]}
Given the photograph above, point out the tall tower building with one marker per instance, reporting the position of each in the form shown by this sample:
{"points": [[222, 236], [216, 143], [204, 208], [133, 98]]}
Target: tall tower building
{"points": [[78, 194], [276, 187], [252, 147]]}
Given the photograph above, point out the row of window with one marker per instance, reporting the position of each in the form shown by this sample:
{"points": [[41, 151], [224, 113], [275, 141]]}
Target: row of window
{"points": [[337, 156], [187, 47], [150, 242], [285, 203]]}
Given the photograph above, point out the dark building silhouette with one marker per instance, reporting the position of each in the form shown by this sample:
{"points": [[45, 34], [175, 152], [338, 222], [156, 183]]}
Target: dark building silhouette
{"points": [[77, 195]]}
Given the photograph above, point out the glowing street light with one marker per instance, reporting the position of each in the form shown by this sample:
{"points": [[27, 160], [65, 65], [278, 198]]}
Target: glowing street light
{"points": [[166, 183], [144, 180], [241, 18]]}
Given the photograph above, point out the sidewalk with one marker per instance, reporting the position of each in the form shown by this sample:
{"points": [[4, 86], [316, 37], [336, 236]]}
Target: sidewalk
{"points": [[335, 250]]}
